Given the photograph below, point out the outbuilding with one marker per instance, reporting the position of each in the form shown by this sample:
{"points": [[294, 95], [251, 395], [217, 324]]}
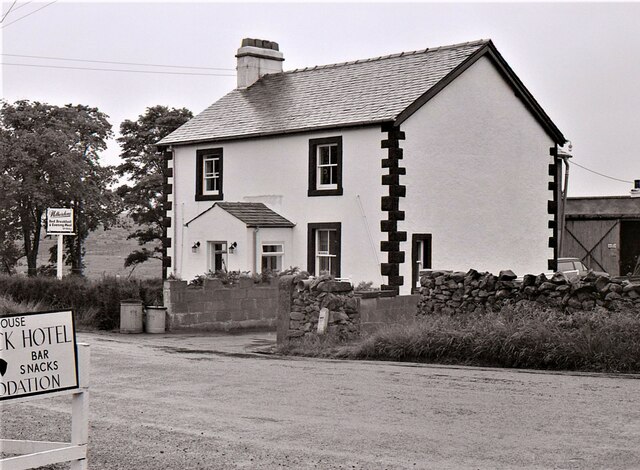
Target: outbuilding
{"points": [[604, 232]]}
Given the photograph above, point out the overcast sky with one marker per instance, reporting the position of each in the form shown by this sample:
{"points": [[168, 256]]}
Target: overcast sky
{"points": [[579, 60]]}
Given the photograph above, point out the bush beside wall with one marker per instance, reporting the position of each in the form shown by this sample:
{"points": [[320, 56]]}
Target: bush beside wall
{"points": [[96, 303]]}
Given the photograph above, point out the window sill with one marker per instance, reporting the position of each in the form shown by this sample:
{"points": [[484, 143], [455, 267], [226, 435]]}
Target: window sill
{"points": [[325, 192], [209, 197]]}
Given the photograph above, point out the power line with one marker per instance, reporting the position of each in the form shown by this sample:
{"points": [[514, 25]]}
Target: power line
{"points": [[600, 174], [120, 70], [9, 10], [29, 14], [119, 63], [23, 5]]}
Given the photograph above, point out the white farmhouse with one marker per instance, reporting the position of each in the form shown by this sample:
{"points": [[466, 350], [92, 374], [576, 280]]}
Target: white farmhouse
{"points": [[371, 170]]}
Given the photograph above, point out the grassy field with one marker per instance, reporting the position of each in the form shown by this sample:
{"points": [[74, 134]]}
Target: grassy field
{"points": [[106, 252]]}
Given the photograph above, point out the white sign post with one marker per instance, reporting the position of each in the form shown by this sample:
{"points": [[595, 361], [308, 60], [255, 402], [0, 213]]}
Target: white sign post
{"points": [[60, 222], [39, 358]]}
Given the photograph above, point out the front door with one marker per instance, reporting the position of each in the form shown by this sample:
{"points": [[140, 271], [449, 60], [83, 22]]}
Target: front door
{"points": [[217, 259]]}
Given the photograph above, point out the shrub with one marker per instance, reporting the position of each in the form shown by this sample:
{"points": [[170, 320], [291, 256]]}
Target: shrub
{"points": [[96, 302], [230, 278]]}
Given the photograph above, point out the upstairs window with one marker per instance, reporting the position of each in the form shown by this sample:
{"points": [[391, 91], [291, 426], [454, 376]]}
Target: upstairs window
{"points": [[209, 175], [325, 167]]}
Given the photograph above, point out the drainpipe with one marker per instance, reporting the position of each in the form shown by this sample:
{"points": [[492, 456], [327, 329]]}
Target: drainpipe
{"points": [[565, 156], [255, 249]]}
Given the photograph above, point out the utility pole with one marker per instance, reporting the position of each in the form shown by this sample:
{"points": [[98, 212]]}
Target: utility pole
{"points": [[565, 155]]}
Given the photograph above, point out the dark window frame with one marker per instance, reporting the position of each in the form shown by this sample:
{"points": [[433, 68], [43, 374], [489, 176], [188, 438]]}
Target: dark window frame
{"points": [[311, 245], [415, 238], [200, 154], [313, 166]]}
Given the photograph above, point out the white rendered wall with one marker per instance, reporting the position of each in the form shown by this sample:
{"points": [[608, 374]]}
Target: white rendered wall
{"points": [[477, 174], [275, 171], [215, 225]]}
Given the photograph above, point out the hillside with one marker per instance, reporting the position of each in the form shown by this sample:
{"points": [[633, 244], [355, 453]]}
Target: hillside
{"points": [[105, 255]]}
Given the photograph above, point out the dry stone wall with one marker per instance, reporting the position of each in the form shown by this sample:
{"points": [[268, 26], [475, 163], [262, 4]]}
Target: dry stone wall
{"points": [[351, 313], [478, 292], [309, 297]]}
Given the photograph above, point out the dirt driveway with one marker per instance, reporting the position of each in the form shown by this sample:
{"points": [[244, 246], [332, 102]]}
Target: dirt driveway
{"points": [[207, 402]]}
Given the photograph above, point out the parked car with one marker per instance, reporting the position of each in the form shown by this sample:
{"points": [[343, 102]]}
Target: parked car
{"points": [[573, 268]]}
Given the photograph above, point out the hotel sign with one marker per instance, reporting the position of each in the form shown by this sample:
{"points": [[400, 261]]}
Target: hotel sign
{"points": [[60, 221], [37, 354]]}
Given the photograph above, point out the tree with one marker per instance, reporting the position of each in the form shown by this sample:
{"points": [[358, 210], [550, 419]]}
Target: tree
{"points": [[10, 252], [50, 158], [144, 167]]}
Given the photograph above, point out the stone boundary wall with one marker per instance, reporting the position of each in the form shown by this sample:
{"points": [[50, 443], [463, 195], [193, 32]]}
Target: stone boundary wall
{"points": [[473, 291], [350, 313], [376, 312], [216, 307], [308, 297]]}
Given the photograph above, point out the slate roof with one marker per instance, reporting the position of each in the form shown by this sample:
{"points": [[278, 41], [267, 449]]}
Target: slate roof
{"points": [[253, 214], [361, 92]]}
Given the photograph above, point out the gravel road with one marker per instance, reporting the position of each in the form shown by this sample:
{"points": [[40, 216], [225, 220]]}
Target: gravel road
{"points": [[208, 402]]}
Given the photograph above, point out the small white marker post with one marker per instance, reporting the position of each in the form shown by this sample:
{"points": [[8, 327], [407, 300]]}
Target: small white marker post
{"points": [[323, 321]]}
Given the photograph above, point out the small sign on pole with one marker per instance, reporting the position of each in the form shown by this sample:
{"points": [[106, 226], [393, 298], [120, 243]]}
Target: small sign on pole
{"points": [[60, 222], [37, 354]]}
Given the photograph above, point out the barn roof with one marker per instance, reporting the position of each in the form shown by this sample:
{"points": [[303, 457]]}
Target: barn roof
{"points": [[603, 207], [363, 92]]}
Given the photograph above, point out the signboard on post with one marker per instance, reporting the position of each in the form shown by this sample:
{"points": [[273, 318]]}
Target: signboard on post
{"points": [[60, 221], [37, 354]]}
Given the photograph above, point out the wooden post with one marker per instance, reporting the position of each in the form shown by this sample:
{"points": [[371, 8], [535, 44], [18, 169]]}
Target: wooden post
{"points": [[80, 407], [60, 251]]}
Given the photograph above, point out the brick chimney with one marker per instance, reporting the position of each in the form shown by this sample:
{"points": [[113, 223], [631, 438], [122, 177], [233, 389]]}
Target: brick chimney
{"points": [[257, 58]]}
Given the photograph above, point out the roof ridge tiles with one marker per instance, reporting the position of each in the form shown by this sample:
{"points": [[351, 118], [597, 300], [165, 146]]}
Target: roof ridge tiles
{"points": [[390, 56]]}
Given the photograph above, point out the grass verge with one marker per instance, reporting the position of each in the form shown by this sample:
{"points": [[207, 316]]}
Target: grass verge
{"points": [[9, 306], [519, 336]]}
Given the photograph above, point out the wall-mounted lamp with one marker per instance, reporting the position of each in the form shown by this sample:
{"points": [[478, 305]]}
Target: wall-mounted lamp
{"points": [[194, 248], [232, 247]]}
